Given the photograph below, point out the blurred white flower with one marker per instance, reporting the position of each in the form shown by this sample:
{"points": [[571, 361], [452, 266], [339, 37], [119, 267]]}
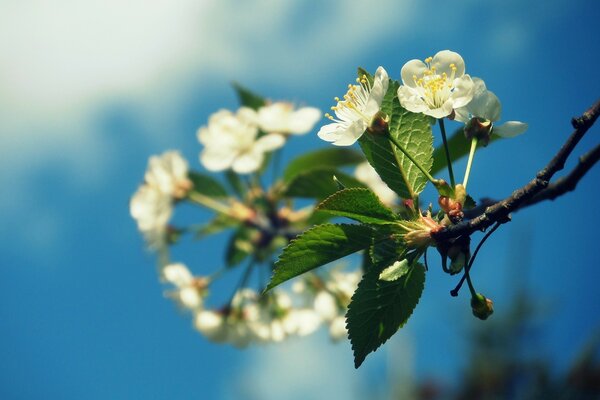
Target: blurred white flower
{"points": [[231, 141], [190, 291], [337, 328], [365, 173], [151, 208], [486, 105], [169, 173], [437, 86], [280, 117], [354, 113], [212, 325]]}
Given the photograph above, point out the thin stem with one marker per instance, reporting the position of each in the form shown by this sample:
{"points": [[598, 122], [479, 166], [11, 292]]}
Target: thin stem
{"points": [[470, 161], [471, 288], [454, 292], [244, 279], [417, 164], [448, 159], [208, 202]]}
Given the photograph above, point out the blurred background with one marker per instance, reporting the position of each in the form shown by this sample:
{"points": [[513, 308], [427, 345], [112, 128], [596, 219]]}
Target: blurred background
{"points": [[90, 89]]}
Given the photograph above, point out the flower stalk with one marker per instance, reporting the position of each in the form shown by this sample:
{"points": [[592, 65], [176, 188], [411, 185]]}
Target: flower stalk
{"points": [[447, 150], [470, 161]]}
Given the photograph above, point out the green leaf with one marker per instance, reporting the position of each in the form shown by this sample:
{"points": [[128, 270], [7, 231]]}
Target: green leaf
{"points": [[320, 159], [359, 204], [319, 184], [207, 185], [319, 246], [379, 308], [412, 131], [395, 271], [458, 146], [248, 98], [238, 248]]}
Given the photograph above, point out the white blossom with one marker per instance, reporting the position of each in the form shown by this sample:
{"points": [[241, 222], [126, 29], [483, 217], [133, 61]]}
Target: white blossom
{"points": [[437, 86], [486, 105], [190, 291], [365, 173], [354, 113], [152, 209], [337, 328], [169, 173], [280, 117], [231, 141]]}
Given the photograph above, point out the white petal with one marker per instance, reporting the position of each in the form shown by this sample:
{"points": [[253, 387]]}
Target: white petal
{"points": [[441, 112], [486, 105], [303, 120], [177, 274], [442, 60], [211, 324], [190, 298], [462, 114], [350, 135], [248, 162], [330, 132], [411, 100], [378, 90], [463, 91], [411, 69], [269, 142], [510, 129], [216, 159], [302, 322]]}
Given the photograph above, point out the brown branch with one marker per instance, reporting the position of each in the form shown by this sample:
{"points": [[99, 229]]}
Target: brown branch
{"points": [[499, 212]]}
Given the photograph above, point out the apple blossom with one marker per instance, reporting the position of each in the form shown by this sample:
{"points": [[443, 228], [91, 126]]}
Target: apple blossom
{"points": [[437, 86], [151, 208], [231, 141], [355, 112], [169, 173], [190, 290]]}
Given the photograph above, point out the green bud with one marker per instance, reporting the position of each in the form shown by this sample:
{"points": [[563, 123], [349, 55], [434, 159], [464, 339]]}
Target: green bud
{"points": [[482, 306]]}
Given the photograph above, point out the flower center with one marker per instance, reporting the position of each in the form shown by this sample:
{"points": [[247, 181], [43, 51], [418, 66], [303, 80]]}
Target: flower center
{"points": [[435, 88], [352, 106]]}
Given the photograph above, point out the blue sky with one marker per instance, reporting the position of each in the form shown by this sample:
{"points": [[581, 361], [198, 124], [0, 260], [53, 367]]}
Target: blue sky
{"points": [[89, 90]]}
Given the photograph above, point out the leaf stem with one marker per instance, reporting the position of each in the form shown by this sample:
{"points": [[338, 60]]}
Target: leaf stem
{"points": [[431, 179], [470, 161], [448, 159]]}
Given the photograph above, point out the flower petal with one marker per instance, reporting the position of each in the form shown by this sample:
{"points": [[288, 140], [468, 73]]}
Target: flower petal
{"points": [[303, 120], [248, 162], [463, 91], [441, 112], [381, 82], [510, 129], [410, 100], [442, 60], [177, 274], [215, 159], [411, 69], [269, 142], [350, 135]]}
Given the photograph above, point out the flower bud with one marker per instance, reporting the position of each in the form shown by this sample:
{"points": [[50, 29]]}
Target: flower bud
{"points": [[482, 306], [479, 128]]}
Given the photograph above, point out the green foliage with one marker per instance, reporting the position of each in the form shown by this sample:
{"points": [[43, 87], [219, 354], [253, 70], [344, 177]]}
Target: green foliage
{"points": [[320, 159], [235, 183], [238, 248], [319, 246], [319, 183], [207, 185], [359, 204], [395, 271], [412, 131], [248, 98], [379, 308], [458, 146]]}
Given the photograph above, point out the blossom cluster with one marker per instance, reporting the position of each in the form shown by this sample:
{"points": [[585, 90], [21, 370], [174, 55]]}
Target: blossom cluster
{"points": [[437, 87], [253, 318], [240, 140]]}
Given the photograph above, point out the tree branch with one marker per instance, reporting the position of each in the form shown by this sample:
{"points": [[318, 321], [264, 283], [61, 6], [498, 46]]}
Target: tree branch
{"points": [[499, 212]]}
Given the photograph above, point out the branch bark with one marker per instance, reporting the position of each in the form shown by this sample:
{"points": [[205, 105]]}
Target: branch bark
{"points": [[539, 188]]}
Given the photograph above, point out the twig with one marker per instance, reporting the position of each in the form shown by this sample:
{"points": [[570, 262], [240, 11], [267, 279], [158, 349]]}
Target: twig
{"points": [[499, 211]]}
